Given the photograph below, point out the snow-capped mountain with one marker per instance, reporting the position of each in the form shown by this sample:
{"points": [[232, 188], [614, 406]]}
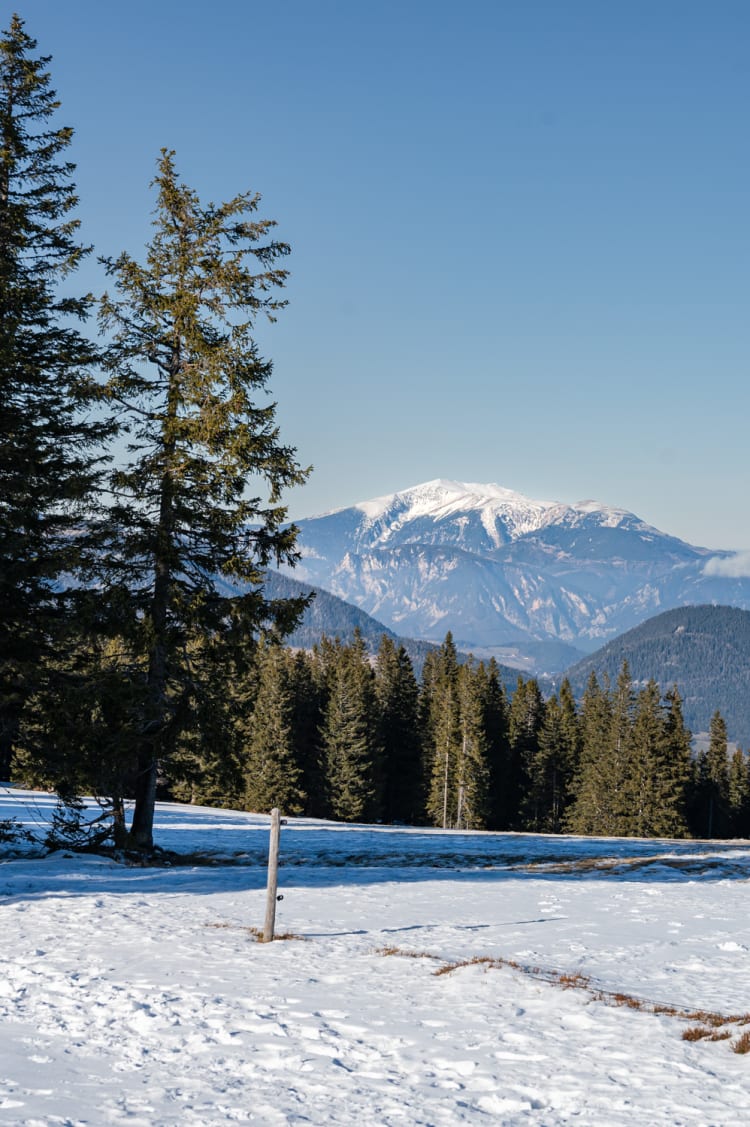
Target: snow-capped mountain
{"points": [[504, 572]]}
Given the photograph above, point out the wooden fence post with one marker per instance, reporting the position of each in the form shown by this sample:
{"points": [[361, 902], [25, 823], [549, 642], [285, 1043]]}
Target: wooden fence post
{"points": [[273, 876]]}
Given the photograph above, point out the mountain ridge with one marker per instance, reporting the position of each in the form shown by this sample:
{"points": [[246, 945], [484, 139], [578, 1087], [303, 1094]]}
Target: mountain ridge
{"points": [[704, 650], [502, 570]]}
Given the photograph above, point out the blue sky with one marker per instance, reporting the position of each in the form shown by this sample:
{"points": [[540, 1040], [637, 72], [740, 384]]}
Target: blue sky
{"points": [[521, 249]]}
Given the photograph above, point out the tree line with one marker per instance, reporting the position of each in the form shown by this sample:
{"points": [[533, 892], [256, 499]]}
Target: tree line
{"points": [[336, 733]]}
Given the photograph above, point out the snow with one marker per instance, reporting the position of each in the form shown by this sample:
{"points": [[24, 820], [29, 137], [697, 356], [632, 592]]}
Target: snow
{"points": [[442, 498], [137, 995]]}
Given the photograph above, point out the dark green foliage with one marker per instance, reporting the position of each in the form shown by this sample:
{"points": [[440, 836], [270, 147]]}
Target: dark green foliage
{"points": [[350, 738], [48, 465], [495, 703], [205, 763], [739, 794], [188, 543], [525, 719], [272, 772], [704, 649], [472, 766], [555, 763], [439, 708], [634, 771], [397, 696], [308, 703], [77, 733], [711, 815], [658, 771], [590, 810]]}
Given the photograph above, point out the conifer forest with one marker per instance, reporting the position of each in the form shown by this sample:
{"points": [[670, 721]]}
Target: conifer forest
{"points": [[142, 475]]}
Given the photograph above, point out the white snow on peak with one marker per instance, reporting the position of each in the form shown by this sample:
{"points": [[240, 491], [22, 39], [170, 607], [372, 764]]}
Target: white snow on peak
{"points": [[442, 498]]}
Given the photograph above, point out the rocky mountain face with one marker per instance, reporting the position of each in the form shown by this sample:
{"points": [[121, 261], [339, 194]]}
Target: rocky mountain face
{"points": [[534, 583]]}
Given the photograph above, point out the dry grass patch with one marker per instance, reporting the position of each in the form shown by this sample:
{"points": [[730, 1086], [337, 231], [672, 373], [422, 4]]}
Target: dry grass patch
{"points": [[403, 953], [712, 1027], [257, 932]]}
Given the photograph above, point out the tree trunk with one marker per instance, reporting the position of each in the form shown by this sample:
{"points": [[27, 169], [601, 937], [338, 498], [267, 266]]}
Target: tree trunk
{"points": [[141, 836]]}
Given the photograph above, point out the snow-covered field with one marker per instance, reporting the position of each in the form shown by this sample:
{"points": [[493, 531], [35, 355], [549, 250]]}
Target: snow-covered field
{"points": [[137, 995]]}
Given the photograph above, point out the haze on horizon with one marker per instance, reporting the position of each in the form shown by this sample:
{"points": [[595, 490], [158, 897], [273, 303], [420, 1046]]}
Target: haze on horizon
{"points": [[519, 236]]}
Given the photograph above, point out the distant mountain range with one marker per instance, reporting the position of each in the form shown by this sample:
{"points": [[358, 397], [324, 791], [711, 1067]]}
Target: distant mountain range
{"points": [[705, 650], [534, 583], [332, 617]]}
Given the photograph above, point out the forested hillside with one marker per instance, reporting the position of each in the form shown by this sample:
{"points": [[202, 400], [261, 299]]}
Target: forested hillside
{"points": [[704, 650]]}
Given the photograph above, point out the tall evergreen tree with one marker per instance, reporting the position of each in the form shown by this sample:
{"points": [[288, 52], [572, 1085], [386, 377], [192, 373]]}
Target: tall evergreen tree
{"points": [[48, 467], [525, 719], [739, 794], [676, 768], [273, 773], [655, 783], [309, 698], [590, 810], [711, 813], [555, 763], [188, 542], [349, 737], [441, 733], [498, 749], [472, 767], [398, 709]]}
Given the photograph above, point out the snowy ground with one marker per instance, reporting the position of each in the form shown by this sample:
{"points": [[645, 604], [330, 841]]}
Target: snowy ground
{"points": [[137, 996]]}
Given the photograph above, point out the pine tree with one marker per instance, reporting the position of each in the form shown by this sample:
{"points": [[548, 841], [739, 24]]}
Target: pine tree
{"points": [[590, 810], [349, 737], [309, 699], [554, 766], [188, 543], [711, 814], [738, 793], [442, 736], [676, 768], [273, 774], [498, 748], [525, 719], [657, 770], [398, 707], [206, 766], [472, 767], [48, 468]]}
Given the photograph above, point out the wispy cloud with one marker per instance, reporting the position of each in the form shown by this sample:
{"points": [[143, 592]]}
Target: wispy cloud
{"points": [[729, 567]]}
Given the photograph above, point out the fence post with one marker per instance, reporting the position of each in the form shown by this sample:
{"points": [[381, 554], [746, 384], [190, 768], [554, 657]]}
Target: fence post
{"points": [[273, 876]]}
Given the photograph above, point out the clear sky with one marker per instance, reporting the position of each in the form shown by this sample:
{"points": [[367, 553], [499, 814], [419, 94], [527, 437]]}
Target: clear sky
{"points": [[520, 228]]}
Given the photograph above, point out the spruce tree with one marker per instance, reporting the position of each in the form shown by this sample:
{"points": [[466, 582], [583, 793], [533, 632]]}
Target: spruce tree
{"points": [[525, 719], [189, 540], [350, 738], [398, 709], [676, 768], [273, 774], [590, 811], [48, 467], [739, 794], [442, 735], [711, 814], [554, 765], [472, 767], [309, 698], [498, 748]]}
